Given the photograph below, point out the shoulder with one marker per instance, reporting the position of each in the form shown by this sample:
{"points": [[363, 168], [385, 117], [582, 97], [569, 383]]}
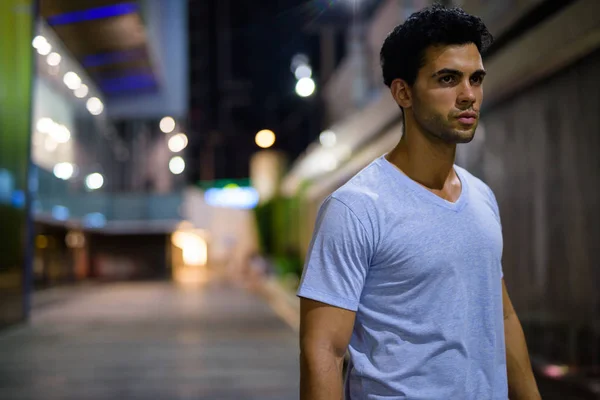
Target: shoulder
{"points": [[474, 182], [357, 202], [479, 189], [362, 192]]}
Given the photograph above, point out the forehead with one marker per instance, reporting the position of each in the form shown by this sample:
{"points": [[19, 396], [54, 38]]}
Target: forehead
{"points": [[465, 58]]}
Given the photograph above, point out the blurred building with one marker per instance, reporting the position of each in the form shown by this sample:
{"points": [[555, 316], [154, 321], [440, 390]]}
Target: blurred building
{"points": [[93, 133], [15, 105], [536, 147]]}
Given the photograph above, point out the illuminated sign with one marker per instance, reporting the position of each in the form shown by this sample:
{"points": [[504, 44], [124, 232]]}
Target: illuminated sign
{"points": [[232, 196], [222, 183]]}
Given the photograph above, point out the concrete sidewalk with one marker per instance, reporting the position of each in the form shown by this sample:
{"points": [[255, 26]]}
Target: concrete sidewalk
{"points": [[151, 341]]}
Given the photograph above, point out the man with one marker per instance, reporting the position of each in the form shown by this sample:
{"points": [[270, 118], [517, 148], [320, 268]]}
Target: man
{"points": [[404, 268]]}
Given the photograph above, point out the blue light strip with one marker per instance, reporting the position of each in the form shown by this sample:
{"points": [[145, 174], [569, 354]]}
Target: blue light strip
{"points": [[127, 82], [116, 57], [93, 13]]}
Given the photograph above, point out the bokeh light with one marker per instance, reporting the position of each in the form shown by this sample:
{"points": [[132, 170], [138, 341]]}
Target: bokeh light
{"points": [[305, 87], [64, 170], [303, 71], [72, 80], [178, 142], [327, 138], [94, 106], [94, 181], [53, 59], [176, 165], [82, 91], [167, 124], [265, 138]]}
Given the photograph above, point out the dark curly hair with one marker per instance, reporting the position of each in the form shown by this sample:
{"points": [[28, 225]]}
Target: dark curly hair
{"points": [[403, 51]]}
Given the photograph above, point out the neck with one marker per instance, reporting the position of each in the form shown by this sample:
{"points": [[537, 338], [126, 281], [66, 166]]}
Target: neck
{"points": [[424, 158]]}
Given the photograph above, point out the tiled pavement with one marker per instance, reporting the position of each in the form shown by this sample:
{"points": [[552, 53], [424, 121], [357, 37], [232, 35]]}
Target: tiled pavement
{"points": [[150, 341], [158, 341]]}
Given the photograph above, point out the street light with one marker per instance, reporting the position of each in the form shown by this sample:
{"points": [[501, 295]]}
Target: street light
{"points": [[305, 87], [297, 61], [303, 71], [265, 138], [176, 165]]}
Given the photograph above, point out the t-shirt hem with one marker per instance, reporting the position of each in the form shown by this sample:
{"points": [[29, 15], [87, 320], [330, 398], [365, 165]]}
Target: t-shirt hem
{"points": [[327, 299]]}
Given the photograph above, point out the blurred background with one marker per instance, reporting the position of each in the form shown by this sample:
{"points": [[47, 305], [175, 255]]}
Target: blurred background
{"points": [[162, 163]]}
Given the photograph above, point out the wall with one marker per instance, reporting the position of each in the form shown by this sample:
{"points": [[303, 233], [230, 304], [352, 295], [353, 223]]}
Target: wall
{"points": [[498, 15], [541, 158], [15, 110]]}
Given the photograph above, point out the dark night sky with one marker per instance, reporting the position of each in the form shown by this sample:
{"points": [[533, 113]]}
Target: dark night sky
{"points": [[265, 40], [265, 36]]}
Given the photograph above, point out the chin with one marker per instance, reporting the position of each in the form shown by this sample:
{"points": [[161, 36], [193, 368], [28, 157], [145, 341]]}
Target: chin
{"points": [[465, 139], [457, 137]]}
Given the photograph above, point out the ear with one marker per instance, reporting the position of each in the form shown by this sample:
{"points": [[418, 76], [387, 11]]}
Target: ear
{"points": [[401, 93]]}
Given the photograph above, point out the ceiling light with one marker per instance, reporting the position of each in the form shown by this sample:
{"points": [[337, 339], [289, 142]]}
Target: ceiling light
{"points": [[82, 91], [94, 106], [72, 80], [44, 49], [44, 125], [167, 124], [38, 41], [60, 133], [53, 59]]}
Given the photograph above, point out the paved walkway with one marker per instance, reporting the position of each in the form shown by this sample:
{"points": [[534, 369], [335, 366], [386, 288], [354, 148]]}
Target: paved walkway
{"points": [[150, 341]]}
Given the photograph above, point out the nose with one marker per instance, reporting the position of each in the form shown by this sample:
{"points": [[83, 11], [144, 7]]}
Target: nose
{"points": [[466, 96]]}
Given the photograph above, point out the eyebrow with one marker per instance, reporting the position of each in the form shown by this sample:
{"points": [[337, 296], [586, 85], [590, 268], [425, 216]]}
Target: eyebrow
{"points": [[444, 71]]}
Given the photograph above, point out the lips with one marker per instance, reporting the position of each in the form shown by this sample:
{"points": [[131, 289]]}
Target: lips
{"points": [[467, 118]]}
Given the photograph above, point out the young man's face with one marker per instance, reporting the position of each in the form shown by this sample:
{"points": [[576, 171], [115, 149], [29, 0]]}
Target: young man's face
{"points": [[447, 94]]}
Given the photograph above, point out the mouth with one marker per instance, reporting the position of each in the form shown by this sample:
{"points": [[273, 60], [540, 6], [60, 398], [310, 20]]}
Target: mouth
{"points": [[467, 118]]}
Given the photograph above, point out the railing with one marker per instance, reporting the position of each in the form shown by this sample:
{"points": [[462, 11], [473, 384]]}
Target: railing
{"points": [[61, 201]]}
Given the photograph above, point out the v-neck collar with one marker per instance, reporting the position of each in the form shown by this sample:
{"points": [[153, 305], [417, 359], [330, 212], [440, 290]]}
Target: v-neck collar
{"points": [[400, 177]]}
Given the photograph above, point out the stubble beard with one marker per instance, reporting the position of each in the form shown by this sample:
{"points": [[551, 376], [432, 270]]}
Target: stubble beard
{"points": [[438, 127]]}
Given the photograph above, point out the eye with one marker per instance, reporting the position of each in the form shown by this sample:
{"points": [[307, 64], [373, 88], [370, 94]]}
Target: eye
{"points": [[477, 80], [448, 79]]}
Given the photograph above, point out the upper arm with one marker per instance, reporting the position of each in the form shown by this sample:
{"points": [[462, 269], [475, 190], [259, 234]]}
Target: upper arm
{"points": [[338, 259], [506, 303], [332, 282], [324, 327]]}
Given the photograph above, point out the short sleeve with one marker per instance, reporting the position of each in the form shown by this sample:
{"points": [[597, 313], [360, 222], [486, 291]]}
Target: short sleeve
{"points": [[338, 257], [494, 204], [496, 210]]}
